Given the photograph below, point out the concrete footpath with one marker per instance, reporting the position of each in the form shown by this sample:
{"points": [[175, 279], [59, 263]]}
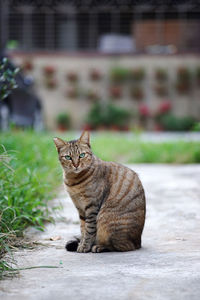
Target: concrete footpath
{"points": [[167, 267]]}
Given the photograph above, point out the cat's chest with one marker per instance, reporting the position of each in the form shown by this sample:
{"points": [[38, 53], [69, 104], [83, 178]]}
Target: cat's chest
{"points": [[78, 197]]}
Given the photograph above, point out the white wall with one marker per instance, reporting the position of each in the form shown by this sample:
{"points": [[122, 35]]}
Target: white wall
{"points": [[55, 100]]}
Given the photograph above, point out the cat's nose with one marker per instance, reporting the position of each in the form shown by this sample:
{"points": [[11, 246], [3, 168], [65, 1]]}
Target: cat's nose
{"points": [[76, 165]]}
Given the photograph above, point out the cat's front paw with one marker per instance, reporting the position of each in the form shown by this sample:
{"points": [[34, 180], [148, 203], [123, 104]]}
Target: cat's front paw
{"points": [[98, 249], [82, 248]]}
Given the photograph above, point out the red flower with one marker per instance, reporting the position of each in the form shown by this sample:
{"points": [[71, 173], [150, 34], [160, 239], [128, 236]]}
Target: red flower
{"points": [[27, 65], [49, 70], [144, 110], [165, 107]]}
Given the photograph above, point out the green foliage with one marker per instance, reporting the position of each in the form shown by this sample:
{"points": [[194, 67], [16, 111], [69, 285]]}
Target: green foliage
{"points": [[184, 74], [137, 74], [27, 184], [119, 148], [96, 115], [161, 74], [63, 119], [183, 82], [170, 122], [137, 92], [119, 73], [7, 78], [107, 115], [116, 115], [196, 126], [197, 72]]}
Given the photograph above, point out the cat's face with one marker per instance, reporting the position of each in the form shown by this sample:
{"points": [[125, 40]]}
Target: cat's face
{"points": [[75, 156]]}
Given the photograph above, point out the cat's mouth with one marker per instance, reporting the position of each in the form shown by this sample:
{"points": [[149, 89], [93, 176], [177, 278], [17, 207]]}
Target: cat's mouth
{"points": [[76, 169]]}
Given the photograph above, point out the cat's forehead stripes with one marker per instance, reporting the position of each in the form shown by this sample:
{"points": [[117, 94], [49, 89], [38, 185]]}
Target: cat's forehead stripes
{"points": [[73, 142], [74, 147]]}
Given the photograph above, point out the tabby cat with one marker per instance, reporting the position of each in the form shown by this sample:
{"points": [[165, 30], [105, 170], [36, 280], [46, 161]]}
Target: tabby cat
{"points": [[109, 198]]}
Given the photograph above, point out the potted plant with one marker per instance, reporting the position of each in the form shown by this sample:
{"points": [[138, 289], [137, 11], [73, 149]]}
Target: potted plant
{"points": [[95, 117], [164, 108], [117, 118], [161, 89], [183, 74], [92, 95], [144, 110], [95, 74], [50, 83], [182, 87], [170, 122], [108, 116], [137, 74], [119, 74], [63, 121], [115, 91], [72, 76], [183, 82], [49, 70], [7, 78], [161, 74], [144, 114], [27, 65], [137, 92]]}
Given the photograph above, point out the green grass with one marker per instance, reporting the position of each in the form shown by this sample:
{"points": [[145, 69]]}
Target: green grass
{"points": [[119, 148], [27, 182], [30, 179]]}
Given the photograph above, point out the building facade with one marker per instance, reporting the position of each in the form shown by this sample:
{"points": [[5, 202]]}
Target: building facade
{"points": [[97, 26]]}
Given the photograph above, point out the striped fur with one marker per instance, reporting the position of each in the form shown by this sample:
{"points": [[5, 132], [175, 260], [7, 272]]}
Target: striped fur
{"points": [[109, 197]]}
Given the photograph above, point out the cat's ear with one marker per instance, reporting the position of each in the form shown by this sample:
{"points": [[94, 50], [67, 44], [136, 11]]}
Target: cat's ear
{"points": [[59, 142], [85, 138]]}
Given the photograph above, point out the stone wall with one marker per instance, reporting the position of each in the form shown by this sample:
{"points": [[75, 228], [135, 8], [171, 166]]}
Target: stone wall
{"points": [[57, 99]]}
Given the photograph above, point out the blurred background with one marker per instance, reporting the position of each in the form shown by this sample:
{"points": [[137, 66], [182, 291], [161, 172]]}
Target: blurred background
{"points": [[128, 67], [111, 65]]}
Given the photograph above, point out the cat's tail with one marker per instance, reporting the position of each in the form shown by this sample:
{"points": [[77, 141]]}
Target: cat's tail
{"points": [[72, 245]]}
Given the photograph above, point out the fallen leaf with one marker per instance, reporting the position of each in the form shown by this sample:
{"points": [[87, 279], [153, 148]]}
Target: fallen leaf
{"points": [[55, 238]]}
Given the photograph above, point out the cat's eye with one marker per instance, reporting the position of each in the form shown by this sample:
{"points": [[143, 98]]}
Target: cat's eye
{"points": [[82, 155], [67, 157]]}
